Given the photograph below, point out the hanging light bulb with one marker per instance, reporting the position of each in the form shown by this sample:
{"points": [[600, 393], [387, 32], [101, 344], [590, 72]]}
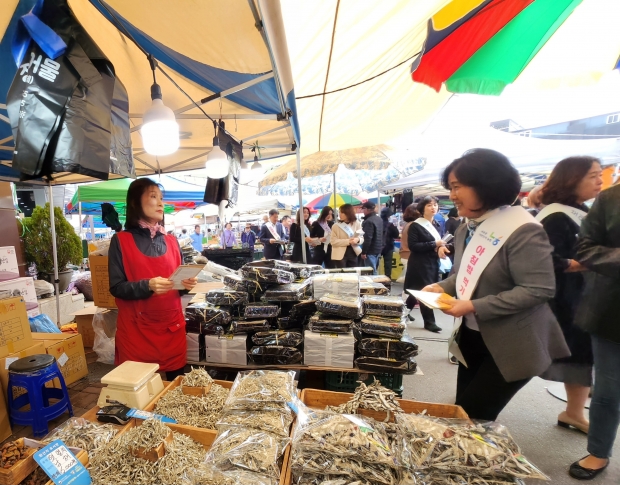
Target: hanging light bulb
{"points": [[217, 161], [256, 163], [160, 130]]}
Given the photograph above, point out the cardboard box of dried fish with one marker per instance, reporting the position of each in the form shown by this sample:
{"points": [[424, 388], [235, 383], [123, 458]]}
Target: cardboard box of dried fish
{"points": [[207, 319], [327, 444], [115, 463], [83, 434], [227, 349], [192, 410], [382, 305], [340, 305], [446, 451], [328, 349]]}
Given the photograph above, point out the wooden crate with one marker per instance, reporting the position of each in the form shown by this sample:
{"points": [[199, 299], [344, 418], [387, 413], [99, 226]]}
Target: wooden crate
{"points": [[20, 470], [318, 399]]}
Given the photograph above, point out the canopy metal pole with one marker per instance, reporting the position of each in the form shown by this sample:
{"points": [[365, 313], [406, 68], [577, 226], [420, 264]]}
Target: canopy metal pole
{"points": [[92, 228], [80, 217], [378, 201], [301, 208], [54, 251], [334, 207]]}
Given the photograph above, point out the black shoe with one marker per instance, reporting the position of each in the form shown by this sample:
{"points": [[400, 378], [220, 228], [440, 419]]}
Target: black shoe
{"points": [[410, 317], [453, 360], [581, 473], [432, 327]]}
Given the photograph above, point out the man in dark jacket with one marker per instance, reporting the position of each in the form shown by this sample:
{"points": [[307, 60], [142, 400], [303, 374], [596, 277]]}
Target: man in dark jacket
{"points": [[598, 250], [390, 232], [373, 236], [273, 237]]}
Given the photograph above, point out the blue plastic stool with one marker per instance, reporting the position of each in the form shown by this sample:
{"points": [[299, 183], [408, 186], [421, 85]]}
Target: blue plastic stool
{"points": [[32, 373]]}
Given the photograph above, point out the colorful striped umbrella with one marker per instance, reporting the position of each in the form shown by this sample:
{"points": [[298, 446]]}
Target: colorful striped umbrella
{"points": [[481, 46], [328, 199]]}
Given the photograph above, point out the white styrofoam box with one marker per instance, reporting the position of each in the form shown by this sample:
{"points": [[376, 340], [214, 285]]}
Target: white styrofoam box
{"points": [[336, 284], [23, 287], [329, 349], [227, 349], [8, 260]]}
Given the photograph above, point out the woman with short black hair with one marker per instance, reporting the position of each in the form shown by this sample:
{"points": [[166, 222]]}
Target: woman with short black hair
{"points": [[295, 236], [503, 279], [322, 229], [151, 324], [426, 247], [572, 181], [346, 239]]}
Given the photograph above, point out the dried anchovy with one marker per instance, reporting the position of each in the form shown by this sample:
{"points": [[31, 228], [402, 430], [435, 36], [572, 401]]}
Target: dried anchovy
{"points": [[248, 449], [442, 478], [37, 477], [373, 396], [198, 411], [260, 387], [462, 448], [208, 474], [273, 422], [84, 434], [151, 434], [197, 377], [11, 453], [114, 464]]}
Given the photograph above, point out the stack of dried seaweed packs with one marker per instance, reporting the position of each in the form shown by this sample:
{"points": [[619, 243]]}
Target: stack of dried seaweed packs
{"points": [[382, 344], [345, 447], [442, 451], [198, 409], [116, 462], [253, 432]]}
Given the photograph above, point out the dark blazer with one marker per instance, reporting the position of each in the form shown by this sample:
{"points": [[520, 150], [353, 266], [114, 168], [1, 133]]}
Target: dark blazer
{"points": [[296, 238], [320, 255], [598, 249], [373, 235], [512, 312], [272, 251], [423, 263]]}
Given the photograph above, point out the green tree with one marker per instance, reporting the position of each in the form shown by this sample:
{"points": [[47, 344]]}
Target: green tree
{"points": [[37, 236]]}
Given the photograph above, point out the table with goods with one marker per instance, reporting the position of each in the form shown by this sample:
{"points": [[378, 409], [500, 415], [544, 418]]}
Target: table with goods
{"points": [[281, 315], [260, 429], [231, 257]]}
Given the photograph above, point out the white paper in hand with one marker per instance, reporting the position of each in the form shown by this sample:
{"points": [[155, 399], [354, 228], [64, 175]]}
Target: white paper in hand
{"points": [[428, 298], [185, 272]]}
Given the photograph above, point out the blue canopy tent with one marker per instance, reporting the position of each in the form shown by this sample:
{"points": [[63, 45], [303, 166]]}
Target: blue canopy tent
{"points": [[244, 67]]}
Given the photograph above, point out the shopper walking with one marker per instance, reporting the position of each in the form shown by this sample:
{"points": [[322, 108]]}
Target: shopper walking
{"points": [[272, 236], [248, 237], [410, 214], [390, 233], [426, 246], [373, 236], [296, 236], [454, 221], [197, 239], [322, 229], [573, 181], [346, 239], [598, 249], [229, 240], [504, 278], [151, 324]]}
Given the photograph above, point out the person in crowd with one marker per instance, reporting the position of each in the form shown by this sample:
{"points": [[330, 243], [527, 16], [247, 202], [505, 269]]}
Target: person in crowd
{"points": [[440, 221], [373, 236], [265, 219], [151, 323], [346, 239], [507, 333], [426, 246], [573, 181], [390, 232], [410, 214], [183, 233], [273, 237], [229, 240], [248, 237], [598, 249], [534, 201], [322, 229], [196, 237], [454, 221], [286, 224], [296, 237]]}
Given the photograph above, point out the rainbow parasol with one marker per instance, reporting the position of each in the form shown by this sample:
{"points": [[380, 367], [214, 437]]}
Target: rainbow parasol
{"points": [[328, 199]]}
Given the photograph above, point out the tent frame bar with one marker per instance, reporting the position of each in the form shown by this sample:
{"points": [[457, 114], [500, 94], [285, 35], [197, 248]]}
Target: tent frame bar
{"points": [[223, 116]]}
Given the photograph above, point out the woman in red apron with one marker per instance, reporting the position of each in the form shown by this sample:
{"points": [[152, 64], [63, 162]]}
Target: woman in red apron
{"points": [[151, 324]]}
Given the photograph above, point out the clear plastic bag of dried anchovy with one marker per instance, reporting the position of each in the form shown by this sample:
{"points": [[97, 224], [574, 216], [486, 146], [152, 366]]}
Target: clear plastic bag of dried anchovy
{"points": [[260, 387], [274, 355], [309, 479], [208, 474], [340, 305], [270, 421], [248, 449], [84, 434], [475, 450], [278, 337], [226, 297]]}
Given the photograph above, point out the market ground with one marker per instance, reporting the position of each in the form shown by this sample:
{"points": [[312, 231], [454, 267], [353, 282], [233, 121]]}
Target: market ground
{"points": [[531, 416]]}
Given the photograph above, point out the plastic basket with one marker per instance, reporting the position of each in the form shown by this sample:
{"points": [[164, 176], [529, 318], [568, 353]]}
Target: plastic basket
{"points": [[348, 381]]}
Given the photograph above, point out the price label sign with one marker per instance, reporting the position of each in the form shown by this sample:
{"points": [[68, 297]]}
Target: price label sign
{"points": [[61, 465]]}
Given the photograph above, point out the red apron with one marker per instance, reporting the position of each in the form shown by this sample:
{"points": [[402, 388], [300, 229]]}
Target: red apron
{"points": [[153, 329]]}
